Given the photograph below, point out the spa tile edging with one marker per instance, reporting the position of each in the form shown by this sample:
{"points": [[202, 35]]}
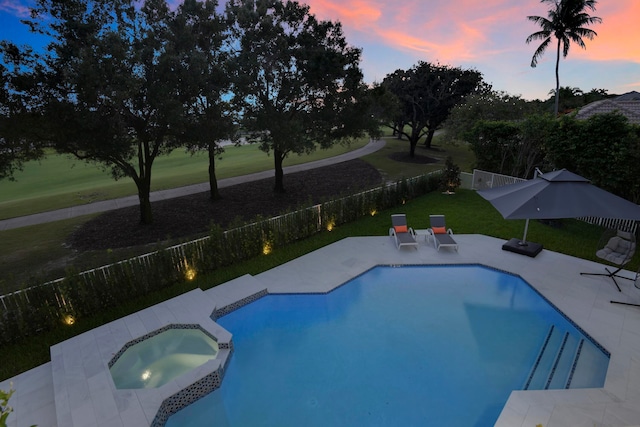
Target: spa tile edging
{"points": [[219, 312], [194, 392], [138, 340]]}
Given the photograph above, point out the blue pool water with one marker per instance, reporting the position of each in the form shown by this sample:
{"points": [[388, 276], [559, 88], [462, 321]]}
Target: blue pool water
{"points": [[409, 346]]}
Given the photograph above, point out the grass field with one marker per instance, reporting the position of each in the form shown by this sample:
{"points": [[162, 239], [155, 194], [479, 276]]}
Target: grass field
{"points": [[59, 181], [29, 248], [466, 213], [38, 253]]}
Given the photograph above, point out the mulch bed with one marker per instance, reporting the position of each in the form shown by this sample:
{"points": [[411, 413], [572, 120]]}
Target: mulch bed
{"points": [[418, 159], [192, 215]]}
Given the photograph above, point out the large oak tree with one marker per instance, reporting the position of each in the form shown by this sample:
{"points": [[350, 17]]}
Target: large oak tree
{"points": [[425, 94], [297, 80], [123, 81]]}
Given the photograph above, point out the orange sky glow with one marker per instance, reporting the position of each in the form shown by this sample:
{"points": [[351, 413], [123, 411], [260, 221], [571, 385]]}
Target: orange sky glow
{"points": [[488, 36]]}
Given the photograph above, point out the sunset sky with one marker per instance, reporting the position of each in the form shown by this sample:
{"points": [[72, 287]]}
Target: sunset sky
{"points": [[488, 36]]}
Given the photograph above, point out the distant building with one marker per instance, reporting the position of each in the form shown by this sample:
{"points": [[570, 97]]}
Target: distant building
{"points": [[628, 105]]}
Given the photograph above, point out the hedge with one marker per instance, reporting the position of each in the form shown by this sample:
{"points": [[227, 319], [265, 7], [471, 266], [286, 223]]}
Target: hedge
{"points": [[81, 294]]}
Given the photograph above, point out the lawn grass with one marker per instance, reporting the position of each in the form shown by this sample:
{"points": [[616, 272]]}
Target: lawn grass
{"points": [[59, 181], [467, 213], [36, 254], [394, 170]]}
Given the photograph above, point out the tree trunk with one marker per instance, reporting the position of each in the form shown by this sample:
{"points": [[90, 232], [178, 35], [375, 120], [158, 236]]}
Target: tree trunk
{"points": [[412, 148], [557, 103], [214, 194], [146, 215], [427, 142], [145, 161], [278, 158], [413, 142]]}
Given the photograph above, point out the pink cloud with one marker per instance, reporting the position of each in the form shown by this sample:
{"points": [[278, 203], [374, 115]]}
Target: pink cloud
{"points": [[14, 7], [464, 30], [445, 31], [352, 13]]}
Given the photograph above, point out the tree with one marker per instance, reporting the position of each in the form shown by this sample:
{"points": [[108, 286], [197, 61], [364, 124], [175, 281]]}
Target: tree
{"points": [[569, 98], [450, 178], [566, 21], [511, 147], [210, 118], [488, 105], [116, 78], [16, 113], [297, 80], [603, 148], [425, 94]]}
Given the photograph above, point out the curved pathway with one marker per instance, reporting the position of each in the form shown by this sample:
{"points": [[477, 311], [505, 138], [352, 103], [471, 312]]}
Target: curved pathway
{"points": [[107, 205]]}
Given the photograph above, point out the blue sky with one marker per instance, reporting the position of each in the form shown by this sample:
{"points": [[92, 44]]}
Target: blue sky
{"points": [[488, 36]]}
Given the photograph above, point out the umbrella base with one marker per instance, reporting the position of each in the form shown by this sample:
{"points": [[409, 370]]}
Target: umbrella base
{"points": [[529, 249]]}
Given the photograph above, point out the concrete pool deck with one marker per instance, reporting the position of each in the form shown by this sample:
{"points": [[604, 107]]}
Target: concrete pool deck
{"points": [[41, 399]]}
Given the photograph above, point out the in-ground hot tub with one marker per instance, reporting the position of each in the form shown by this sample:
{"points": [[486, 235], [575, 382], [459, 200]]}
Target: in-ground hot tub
{"points": [[157, 358]]}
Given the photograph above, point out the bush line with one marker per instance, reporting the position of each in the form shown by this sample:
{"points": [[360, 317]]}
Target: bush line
{"points": [[82, 294]]}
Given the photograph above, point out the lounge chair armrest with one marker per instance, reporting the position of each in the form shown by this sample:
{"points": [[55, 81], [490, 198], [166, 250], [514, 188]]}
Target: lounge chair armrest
{"points": [[450, 231], [392, 231], [412, 231], [429, 232]]}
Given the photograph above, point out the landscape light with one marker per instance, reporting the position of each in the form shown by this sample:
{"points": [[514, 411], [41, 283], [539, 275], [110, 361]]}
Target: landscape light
{"points": [[267, 248]]}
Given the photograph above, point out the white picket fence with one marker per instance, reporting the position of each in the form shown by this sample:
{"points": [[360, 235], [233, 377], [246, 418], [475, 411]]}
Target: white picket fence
{"points": [[195, 248], [483, 180]]}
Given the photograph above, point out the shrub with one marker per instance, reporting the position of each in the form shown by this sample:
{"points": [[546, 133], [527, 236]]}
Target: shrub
{"points": [[82, 294]]}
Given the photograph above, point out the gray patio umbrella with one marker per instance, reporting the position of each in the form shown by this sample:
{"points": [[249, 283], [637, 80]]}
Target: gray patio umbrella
{"points": [[558, 194]]}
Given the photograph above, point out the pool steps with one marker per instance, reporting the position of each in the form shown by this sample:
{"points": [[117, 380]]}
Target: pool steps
{"points": [[558, 363]]}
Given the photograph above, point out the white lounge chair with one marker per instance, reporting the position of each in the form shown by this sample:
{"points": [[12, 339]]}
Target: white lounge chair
{"points": [[402, 234], [439, 233]]}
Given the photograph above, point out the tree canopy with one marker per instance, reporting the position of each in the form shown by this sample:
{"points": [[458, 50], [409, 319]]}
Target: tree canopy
{"points": [[124, 83], [296, 79], [17, 116], [486, 105], [425, 95], [209, 116]]}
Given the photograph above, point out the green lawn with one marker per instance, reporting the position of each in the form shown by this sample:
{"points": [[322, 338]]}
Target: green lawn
{"points": [[467, 213], [394, 170], [40, 250], [59, 181], [26, 248]]}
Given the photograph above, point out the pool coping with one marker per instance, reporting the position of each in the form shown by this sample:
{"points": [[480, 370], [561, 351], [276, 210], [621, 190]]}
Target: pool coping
{"points": [[80, 383]]}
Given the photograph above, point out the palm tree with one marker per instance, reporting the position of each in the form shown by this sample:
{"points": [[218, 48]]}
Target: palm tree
{"points": [[566, 21]]}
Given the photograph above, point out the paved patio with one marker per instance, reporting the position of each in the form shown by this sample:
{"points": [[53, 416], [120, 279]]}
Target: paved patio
{"points": [[585, 299]]}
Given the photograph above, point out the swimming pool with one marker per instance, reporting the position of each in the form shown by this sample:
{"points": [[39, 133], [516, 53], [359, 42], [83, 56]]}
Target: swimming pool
{"points": [[420, 345]]}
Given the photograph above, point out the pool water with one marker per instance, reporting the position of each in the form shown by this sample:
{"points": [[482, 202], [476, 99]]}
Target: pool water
{"points": [[409, 346], [159, 359]]}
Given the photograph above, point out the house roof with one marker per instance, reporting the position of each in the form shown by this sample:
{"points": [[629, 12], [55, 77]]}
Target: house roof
{"points": [[628, 105], [629, 96]]}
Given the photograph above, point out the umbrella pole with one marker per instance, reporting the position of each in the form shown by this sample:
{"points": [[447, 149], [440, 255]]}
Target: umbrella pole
{"points": [[524, 238]]}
